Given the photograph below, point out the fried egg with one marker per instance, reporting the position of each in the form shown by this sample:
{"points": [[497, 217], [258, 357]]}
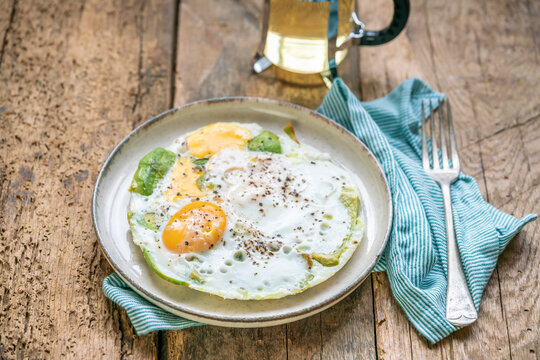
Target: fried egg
{"points": [[240, 212]]}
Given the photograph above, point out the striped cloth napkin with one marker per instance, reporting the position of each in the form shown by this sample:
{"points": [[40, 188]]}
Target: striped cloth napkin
{"points": [[415, 257]]}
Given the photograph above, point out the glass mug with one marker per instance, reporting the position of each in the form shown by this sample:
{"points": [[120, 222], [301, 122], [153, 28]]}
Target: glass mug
{"points": [[301, 36]]}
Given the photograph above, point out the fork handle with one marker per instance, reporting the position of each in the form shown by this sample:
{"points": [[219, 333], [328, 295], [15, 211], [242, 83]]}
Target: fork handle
{"points": [[460, 310]]}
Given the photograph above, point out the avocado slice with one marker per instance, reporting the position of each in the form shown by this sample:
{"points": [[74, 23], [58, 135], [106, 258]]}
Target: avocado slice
{"points": [[151, 263], [196, 276], [352, 203], [152, 168], [201, 181], [328, 259], [289, 130], [200, 162], [265, 141], [149, 221]]}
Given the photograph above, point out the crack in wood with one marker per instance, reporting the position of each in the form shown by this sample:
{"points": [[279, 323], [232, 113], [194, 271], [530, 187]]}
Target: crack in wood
{"points": [[430, 41], [321, 337], [502, 311], [249, 13], [161, 346], [123, 336], [513, 126], [8, 30], [374, 316], [532, 19], [176, 34], [92, 273], [287, 341], [475, 115], [139, 28], [410, 342]]}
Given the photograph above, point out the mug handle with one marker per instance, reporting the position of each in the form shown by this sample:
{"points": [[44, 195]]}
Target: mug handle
{"points": [[402, 9]]}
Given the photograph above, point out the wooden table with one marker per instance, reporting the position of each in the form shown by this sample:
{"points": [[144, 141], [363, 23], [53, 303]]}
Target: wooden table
{"points": [[77, 76]]}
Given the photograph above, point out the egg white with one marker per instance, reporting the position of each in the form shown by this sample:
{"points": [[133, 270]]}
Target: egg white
{"points": [[278, 207]]}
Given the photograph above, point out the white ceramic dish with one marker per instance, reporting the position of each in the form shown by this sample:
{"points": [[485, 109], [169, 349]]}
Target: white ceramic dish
{"points": [[111, 198]]}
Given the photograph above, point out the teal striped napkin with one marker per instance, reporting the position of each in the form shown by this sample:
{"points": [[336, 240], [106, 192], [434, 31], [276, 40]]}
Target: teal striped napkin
{"points": [[415, 257]]}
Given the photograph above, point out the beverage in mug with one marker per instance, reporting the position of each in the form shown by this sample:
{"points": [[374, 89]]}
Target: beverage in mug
{"points": [[296, 33]]}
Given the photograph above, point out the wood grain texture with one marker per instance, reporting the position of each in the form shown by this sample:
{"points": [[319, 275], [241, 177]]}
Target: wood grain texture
{"points": [[347, 328], [506, 167], [392, 327], [519, 265], [7, 13], [509, 64], [519, 269], [211, 342], [76, 77], [304, 339]]}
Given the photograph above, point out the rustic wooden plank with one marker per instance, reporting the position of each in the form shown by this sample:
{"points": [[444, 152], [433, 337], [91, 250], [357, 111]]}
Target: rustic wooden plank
{"points": [[509, 63], [449, 62], [519, 269], [347, 328], [6, 20], [459, 70], [391, 325], [211, 66], [453, 59], [458, 65], [533, 10], [211, 342], [507, 160], [76, 76], [304, 339], [422, 349], [531, 143], [519, 264], [505, 166]]}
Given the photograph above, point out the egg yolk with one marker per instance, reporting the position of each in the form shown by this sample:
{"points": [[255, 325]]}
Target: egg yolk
{"points": [[212, 138], [184, 177], [196, 227]]}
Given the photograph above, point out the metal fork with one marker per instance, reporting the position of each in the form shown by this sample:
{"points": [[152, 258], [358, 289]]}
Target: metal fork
{"points": [[460, 310]]}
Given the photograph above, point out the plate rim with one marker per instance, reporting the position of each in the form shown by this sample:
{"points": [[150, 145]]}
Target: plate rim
{"points": [[235, 320]]}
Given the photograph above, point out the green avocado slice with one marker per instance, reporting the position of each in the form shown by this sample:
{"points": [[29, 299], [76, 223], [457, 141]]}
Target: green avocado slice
{"points": [[289, 130], [201, 181], [351, 202], [265, 141], [200, 162], [149, 221], [152, 168], [196, 276], [151, 263], [328, 260]]}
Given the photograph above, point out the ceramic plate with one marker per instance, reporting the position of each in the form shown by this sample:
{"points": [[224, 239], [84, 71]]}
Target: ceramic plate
{"points": [[111, 198]]}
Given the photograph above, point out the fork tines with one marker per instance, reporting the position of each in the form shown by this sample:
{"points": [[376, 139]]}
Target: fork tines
{"points": [[446, 127]]}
